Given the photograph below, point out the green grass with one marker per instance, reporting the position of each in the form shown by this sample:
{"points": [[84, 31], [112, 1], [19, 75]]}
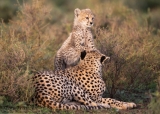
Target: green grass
{"points": [[39, 110]]}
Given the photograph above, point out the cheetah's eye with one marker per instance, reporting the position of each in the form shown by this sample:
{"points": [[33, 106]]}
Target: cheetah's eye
{"points": [[87, 17], [92, 18]]}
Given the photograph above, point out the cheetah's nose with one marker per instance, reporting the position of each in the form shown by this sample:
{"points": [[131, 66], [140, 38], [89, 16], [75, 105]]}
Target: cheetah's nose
{"points": [[91, 23]]}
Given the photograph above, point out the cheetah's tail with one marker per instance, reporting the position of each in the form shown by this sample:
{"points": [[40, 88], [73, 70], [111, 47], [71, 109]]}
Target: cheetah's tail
{"points": [[60, 106]]}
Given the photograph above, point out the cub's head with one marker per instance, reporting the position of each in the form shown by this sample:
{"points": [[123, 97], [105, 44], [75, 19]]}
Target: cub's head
{"points": [[93, 57], [84, 17]]}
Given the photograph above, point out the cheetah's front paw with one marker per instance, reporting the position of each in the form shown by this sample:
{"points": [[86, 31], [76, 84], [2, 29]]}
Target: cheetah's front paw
{"points": [[93, 104], [128, 105], [131, 105], [104, 105]]}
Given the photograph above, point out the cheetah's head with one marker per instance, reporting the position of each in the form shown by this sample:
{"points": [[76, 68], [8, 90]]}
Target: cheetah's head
{"points": [[84, 17], [94, 57]]}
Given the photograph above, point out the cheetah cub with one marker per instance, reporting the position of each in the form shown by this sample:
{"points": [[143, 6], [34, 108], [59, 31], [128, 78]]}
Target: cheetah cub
{"points": [[80, 39]]}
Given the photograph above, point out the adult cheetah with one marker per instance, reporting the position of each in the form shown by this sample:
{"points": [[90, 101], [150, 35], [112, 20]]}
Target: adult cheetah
{"points": [[82, 83]]}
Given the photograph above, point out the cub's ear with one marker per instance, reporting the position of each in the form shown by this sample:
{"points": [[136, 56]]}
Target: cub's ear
{"points": [[77, 11], [83, 54], [103, 58]]}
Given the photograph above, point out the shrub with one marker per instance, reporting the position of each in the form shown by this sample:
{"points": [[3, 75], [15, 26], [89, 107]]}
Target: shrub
{"points": [[155, 101], [23, 50], [8, 9], [133, 48]]}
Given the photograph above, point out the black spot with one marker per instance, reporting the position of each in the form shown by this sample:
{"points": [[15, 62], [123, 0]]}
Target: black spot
{"points": [[43, 93], [60, 106], [50, 88], [41, 81], [103, 58], [79, 98], [45, 78], [47, 81], [42, 84], [55, 89], [67, 107], [48, 85], [35, 77]]}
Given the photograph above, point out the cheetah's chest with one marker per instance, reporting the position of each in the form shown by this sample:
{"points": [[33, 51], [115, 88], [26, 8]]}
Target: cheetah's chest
{"points": [[94, 85]]}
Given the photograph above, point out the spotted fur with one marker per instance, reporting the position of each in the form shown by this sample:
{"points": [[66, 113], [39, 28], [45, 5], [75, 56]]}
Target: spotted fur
{"points": [[57, 92], [82, 83]]}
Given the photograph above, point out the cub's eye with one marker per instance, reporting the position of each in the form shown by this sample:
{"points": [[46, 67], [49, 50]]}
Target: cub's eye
{"points": [[92, 18], [87, 17]]}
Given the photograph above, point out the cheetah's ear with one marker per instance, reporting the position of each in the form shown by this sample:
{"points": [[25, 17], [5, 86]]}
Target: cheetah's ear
{"points": [[77, 11], [83, 54], [103, 58]]}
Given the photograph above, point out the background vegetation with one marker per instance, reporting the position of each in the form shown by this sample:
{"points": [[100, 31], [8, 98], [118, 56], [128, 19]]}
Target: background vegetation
{"points": [[129, 32]]}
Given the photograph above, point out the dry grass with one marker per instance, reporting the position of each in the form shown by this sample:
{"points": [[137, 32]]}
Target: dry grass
{"points": [[23, 46], [133, 48]]}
